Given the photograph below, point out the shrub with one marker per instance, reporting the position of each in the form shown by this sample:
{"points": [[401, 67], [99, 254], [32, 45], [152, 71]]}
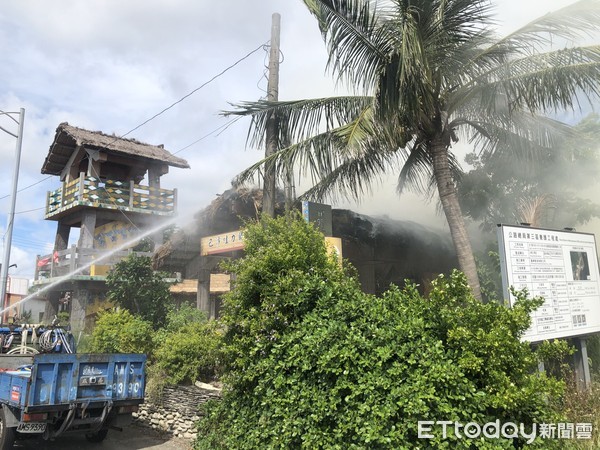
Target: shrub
{"points": [[121, 332], [187, 349], [312, 362], [177, 317], [190, 353]]}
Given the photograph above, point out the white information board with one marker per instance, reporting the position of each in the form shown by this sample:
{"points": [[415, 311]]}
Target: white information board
{"points": [[561, 267]]}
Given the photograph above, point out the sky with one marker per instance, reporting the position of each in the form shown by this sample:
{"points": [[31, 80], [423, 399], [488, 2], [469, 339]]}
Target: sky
{"points": [[110, 65]]}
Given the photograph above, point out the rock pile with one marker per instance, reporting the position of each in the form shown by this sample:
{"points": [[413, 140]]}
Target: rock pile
{"points": [[178, 411]]}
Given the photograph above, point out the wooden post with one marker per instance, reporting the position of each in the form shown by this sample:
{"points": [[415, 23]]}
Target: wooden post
{"points": [[131, 192], [73, 261], [61, 240], [88, 226], [272, 129], [62, 194], [203, 295], [582, 365], [81, 184]]}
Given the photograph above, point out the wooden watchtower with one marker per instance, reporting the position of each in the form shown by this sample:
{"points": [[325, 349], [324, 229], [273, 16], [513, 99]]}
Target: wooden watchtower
{"points": [[104, 195]]}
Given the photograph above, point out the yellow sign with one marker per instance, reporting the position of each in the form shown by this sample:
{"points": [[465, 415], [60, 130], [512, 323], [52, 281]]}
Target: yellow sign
{"points": [[221, 243], [234, 240], [334, 246]]}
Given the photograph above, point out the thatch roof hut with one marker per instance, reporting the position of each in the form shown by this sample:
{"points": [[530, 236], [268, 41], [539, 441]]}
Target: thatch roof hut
{"points": [[383, 250], [68, 139]]}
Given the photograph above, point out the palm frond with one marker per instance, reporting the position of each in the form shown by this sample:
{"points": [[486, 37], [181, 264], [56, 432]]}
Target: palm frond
{"points": [[356, 43], [319, 155], [353, 177], [552, 80], [571, 22], [532, 210], [417, 171], [302, 118], [526, 137]]}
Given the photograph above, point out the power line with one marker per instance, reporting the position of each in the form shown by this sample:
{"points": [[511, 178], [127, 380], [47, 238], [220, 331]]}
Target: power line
{"points": [[225, 126], [231, 66], [193, 91], [164, 110], [30, 210], [27, 187], [221, 128]]}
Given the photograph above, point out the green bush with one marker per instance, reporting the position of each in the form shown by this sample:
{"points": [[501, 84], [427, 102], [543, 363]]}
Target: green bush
{"points": [[134, 285], [312, 362], [121, 332], [187, 349], [191, 353], [178, 317]]}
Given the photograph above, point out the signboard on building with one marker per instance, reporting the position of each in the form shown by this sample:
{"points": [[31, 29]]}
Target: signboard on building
{"points": [[320, 215], [561, 267], [234, 240], [222, 243]]}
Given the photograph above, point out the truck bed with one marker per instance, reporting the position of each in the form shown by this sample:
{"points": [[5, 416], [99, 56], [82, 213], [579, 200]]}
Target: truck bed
{"points": [[55, 381]]}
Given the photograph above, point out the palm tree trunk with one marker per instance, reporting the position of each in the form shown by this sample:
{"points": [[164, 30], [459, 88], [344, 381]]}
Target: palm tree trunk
{"points": [[454, 216]]}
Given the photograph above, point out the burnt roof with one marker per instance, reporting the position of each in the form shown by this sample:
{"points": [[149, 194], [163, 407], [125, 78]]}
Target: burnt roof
{"points": [[68, 138]]}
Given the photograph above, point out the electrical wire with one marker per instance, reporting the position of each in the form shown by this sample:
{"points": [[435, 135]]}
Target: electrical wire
{"points": [[191, 93], [221, 128], [27, 187], [30, 210], [225, 126], [231, 66], [164, 110]]}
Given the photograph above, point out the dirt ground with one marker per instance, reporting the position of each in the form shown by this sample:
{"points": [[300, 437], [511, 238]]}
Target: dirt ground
{"points": [[131, 438]]}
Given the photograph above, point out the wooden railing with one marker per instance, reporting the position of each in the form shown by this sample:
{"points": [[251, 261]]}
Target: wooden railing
{"points": [[110, 194], [79, 261]]}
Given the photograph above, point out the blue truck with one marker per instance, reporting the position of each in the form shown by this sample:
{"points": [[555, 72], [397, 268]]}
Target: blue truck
{"points": [[50, 394]]}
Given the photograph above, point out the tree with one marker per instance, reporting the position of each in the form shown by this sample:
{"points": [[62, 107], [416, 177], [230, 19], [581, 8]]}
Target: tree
{"points": [[550, 192], [428, 73], [132, 284], [313, 362]]}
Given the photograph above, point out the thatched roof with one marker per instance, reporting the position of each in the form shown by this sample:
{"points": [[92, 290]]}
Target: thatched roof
{"points": [[382, 250], [225, 213], [68, 138]]}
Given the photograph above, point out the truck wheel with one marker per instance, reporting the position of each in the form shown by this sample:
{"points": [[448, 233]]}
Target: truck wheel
{"points": [[97, 436], [7, 435]]}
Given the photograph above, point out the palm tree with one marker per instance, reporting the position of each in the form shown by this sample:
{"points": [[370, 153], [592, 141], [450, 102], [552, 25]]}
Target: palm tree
{"points": [[427, 73]]}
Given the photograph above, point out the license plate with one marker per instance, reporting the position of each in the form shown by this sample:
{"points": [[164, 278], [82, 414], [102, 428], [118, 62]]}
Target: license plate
{"points": [[31, 427]]}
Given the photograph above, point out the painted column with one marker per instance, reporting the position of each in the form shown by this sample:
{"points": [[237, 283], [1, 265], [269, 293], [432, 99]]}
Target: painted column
{"points": [[79, 302], [203, 296], [88, 226], [62, 236]]}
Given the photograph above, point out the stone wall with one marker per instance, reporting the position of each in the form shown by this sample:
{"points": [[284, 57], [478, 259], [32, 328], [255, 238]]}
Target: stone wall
{"points": [[178, 410]]}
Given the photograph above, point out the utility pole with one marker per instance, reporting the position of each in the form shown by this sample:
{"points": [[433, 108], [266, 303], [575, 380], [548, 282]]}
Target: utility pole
{"points": [[272, 128], [11, 214]]}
